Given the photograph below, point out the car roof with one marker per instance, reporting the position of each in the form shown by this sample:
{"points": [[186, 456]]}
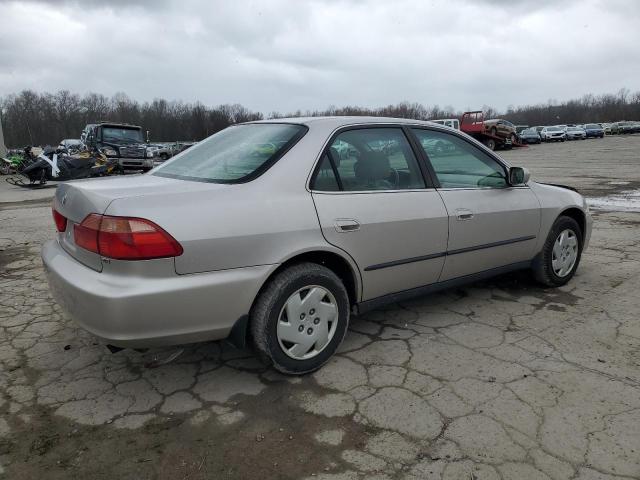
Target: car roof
{"points": [[344, 121]]}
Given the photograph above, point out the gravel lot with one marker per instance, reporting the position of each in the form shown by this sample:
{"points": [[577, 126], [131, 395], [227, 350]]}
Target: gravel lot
{"points": [[498, 380]]}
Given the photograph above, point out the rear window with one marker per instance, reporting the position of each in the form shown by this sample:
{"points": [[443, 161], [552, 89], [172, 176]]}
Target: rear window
{"points": [[235, 154]]}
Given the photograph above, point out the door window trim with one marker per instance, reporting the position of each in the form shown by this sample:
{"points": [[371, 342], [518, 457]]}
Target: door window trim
{"points": [[405, 128]]}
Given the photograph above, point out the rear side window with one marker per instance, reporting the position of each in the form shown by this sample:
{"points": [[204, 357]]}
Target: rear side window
{"points": [[459, 164], [325, 179], [370, 159], [236, 154]]}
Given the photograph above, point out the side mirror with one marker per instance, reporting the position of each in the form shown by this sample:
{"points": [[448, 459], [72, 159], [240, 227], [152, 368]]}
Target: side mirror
{"points": [[518, 176]]}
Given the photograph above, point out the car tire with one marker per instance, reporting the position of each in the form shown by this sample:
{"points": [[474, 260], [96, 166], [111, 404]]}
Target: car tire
{"points": [[269, 318], [490, 143], [545, 271]]}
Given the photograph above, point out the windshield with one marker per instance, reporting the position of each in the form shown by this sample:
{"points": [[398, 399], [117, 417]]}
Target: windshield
{"points": [[529, 131], [235, 154], [553, 129], [573, 129], [121, 135], [593, 126]]}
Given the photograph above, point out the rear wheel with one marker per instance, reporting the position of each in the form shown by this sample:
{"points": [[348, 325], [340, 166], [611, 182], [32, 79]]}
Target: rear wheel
{"points": [[490, 143], [557, 262], [300, 318]]}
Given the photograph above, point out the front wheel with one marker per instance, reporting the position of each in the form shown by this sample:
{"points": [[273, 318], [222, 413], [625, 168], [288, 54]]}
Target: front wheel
{"points": [[558, 261], [300, 318]]}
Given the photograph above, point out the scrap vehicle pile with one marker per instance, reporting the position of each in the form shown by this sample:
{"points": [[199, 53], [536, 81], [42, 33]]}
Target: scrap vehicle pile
{"points": [[35, 166]]}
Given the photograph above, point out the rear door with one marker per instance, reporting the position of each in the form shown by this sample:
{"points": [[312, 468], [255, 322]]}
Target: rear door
{"points": [[491, 224], [373, 202]]}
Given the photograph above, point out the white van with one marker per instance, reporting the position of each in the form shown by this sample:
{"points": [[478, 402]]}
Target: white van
{"points": [[449, 122]]}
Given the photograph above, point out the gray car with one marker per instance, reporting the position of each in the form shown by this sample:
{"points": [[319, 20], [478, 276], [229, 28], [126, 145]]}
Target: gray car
{"points": [[280, 245]]}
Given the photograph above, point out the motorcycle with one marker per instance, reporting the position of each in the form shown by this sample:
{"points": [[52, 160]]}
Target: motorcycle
{"points": [[55, 164]]}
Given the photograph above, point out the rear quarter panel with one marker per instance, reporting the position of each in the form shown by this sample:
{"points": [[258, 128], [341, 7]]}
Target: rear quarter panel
{"points": [[262, 222]]}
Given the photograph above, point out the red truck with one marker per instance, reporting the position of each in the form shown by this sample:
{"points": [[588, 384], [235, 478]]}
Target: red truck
{"points": [[493, 134]]}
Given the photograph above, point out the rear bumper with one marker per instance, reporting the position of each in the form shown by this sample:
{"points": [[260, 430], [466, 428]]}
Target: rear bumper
{"points": [[138, 311]]}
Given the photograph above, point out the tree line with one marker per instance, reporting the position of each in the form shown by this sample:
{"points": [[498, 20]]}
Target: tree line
{"points": [[32, 118]]}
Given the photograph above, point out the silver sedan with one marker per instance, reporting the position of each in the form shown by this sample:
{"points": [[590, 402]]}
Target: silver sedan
{"points": [[276, 232]]}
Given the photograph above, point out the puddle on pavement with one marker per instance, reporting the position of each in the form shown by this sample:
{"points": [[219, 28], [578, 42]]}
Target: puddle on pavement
{"points": [[625, 201]]}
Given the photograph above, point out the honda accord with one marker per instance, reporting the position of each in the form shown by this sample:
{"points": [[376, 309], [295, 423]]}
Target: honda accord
{"points": [[279, 246]]}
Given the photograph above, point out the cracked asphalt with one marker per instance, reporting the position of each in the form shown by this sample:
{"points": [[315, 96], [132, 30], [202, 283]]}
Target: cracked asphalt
{"points": [[497, 380]]}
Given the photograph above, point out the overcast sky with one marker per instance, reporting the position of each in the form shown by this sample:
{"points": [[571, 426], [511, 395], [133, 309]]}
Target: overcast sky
{"points": [[281, 55]]}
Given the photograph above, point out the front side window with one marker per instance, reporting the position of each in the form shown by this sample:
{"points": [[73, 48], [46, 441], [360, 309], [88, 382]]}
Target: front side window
{"points": [[459, 164], [233, 155], [371, 159]]}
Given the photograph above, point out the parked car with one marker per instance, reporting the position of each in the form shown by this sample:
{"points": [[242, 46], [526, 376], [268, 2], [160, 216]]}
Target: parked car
{"points": [[615, 128], [575, 133], [501, 128], [161, 152], [530, 135], [593, 130], [553, 134], [449, 122], [72, 145], [628, 127], [539, 129], [520, 128], [282, 248]]}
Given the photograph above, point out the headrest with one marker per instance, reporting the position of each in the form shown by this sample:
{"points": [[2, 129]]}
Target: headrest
{"points": [[372, 166]]}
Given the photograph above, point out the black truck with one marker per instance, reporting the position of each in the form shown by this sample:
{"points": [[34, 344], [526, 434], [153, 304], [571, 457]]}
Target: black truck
{"points": [[121, 141]]}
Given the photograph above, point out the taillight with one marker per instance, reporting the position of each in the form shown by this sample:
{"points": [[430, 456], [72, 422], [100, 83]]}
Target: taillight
{"points": [[59, 219], [85, 235], [125, 238]]}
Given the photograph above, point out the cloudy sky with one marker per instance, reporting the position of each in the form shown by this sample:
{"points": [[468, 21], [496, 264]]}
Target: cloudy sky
{"points": [[283, 55]]}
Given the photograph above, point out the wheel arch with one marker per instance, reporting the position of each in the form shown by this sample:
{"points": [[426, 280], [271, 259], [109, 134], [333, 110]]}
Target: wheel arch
{"points": [[579, 216], [345, 269]]}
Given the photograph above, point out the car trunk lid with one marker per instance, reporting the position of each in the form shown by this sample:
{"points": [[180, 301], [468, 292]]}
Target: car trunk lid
{"points": [[76, 200]]}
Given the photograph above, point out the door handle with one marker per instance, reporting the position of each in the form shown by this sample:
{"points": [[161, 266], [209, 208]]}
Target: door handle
{"points": [[344, 225], [464, 214]]}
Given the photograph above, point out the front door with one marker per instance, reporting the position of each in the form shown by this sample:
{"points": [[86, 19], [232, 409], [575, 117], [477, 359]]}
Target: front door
{"points": [[491, 224], [373, 202]]}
